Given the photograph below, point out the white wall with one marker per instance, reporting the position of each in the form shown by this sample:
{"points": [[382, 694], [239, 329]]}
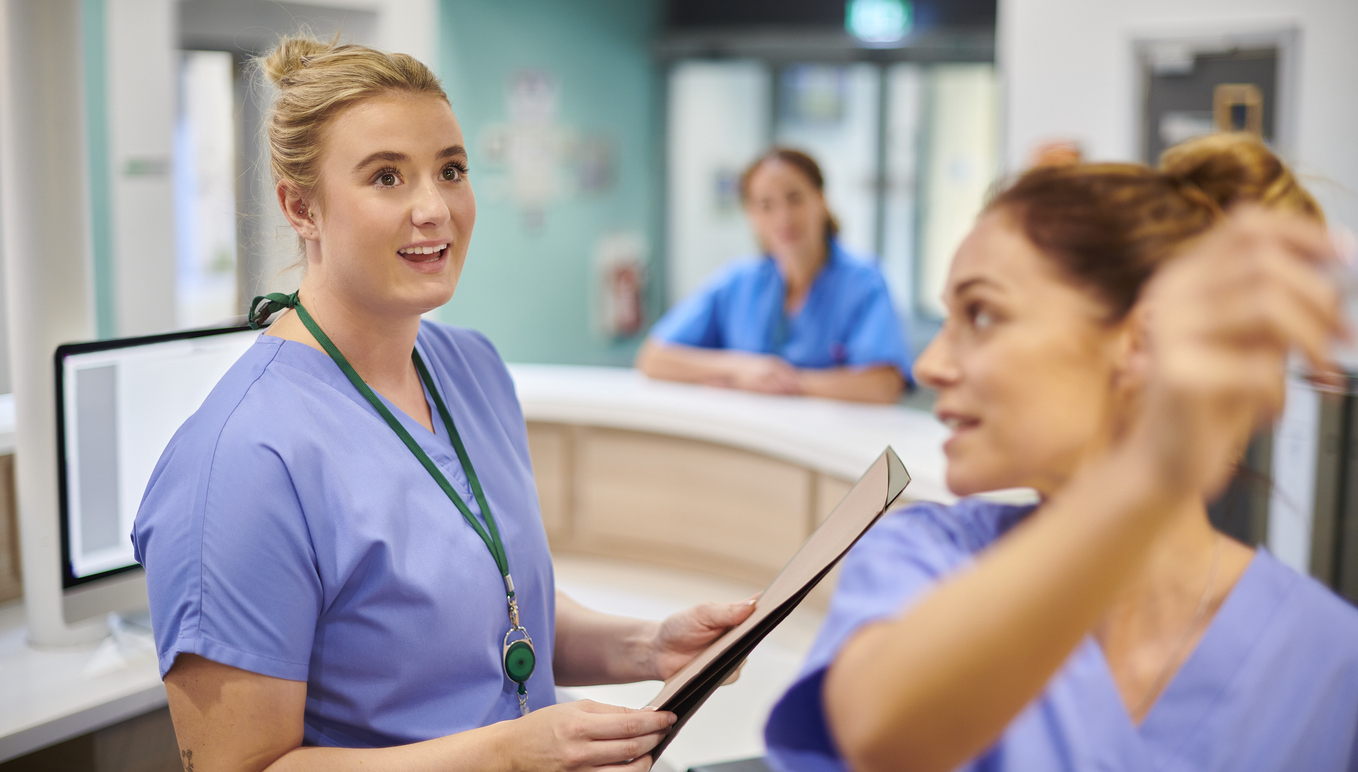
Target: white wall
{"points": [[1069, 71], [403, 26]]}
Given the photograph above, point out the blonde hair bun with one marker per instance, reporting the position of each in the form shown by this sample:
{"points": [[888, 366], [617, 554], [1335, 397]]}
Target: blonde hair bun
{"points": [[317, 81], [1234, 168], [292, 55]]}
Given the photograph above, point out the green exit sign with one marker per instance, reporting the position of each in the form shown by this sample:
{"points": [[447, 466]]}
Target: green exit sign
{"points": [[878, 21]]}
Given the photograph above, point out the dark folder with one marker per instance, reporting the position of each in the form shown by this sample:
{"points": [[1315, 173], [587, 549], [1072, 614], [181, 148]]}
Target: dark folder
{"points": [[870, 497]]}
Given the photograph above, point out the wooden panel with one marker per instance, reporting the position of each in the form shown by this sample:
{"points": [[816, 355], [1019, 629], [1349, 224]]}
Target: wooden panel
{"points": [[550, 447], [145, 743], [11, 585], [829, 492], [142, 744], [690, 503]]}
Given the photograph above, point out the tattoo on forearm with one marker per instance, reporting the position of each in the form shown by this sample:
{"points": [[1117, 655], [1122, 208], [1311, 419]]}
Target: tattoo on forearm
{"points": [[187, 756]]}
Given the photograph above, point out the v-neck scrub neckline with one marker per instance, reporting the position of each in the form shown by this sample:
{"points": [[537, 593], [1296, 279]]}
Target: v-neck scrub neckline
{"points": [[1271, 686]]}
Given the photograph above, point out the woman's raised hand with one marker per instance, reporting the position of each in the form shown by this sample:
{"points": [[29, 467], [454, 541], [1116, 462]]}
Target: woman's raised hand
{"points": [[1220, 321], [586, 735]]}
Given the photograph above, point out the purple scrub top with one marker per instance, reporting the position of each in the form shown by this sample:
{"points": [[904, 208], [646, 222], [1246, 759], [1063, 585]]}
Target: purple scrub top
{"points": [[1273, 684], [288, 531], [848, 318]]}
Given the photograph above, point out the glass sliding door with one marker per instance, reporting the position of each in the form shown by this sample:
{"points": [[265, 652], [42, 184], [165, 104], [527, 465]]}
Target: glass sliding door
{"points": [[900, 213], [833, 112], [718, 121], [960, 160], [909, 151], [205, 190]]}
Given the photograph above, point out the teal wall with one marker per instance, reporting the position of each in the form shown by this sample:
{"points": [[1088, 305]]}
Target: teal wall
{"points": [[101, 184], [531, 289]]}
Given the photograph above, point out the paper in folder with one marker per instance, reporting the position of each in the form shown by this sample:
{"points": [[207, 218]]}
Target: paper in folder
{"points": [[873, 494]]}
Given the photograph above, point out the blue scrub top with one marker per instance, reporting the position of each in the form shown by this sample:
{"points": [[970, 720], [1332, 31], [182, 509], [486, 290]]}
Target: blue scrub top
{"points": [[288, 531], [1273, 684], [847, 320]]}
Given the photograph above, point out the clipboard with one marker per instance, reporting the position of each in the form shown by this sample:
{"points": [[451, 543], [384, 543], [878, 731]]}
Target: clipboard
{"points": [[865, 503]]}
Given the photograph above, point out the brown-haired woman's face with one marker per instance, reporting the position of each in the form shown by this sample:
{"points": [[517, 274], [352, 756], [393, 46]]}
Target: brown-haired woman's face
{"points": [[1024, 366], [786, 211], [395, 210]]}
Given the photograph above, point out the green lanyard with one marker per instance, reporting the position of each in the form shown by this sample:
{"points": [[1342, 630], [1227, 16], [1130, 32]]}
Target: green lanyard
{"points": [[519, 657]]}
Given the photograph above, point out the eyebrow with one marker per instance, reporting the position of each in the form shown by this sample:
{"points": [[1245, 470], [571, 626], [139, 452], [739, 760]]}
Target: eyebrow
{"points": [[973, 282], [391, 156]]}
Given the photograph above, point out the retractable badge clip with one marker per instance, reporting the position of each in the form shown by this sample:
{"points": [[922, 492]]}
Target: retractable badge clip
{"points": [[519, 657]]}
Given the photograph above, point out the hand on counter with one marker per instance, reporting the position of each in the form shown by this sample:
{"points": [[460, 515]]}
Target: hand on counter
{"points": [[762, 373], [768, 374]]}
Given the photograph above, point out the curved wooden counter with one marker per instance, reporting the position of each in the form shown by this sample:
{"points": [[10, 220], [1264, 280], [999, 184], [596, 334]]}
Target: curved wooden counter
{"points": [[710, 479]]}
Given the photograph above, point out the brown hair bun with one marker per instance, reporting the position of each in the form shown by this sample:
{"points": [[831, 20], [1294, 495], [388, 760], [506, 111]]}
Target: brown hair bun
{"points": [[1109, 227], [1238, 168]]}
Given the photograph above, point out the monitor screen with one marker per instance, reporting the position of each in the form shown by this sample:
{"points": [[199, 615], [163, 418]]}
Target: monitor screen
{"points": [[118, 404]]}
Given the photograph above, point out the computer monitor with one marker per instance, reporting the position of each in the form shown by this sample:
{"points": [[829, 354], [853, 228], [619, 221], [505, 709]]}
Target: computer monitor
{"points": [[118, 404]]}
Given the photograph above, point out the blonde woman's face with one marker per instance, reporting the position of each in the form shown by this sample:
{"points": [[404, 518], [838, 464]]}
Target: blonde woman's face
{"points": [[1024, 366], [395, 210]]}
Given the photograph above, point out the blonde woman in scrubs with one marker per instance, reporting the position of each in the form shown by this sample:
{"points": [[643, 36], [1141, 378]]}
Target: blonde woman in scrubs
{"points": [[345, 556]]}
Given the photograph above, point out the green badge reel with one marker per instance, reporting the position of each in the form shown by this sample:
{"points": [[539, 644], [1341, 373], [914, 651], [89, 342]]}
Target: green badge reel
{"points": [[519, 657]]}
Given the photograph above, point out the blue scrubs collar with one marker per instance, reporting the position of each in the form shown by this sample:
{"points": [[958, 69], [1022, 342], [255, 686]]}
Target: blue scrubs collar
{"points": [[780, 325]]}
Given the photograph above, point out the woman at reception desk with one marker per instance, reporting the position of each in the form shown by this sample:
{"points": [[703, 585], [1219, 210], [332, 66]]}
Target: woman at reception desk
{"points": [[806, 317], [1114, 335]]}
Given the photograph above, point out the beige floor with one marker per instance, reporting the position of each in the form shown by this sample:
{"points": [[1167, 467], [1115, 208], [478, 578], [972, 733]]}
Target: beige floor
{"points": [[730, 726]]}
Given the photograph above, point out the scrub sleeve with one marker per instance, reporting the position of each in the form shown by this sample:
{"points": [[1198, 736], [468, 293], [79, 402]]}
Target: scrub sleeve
{"points": [[875, 337], [252, 596], [697, 319], [889, 569]]}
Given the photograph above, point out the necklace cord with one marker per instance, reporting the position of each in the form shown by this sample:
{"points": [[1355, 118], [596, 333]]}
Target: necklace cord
{"points": [[264, 307], [1163, 677], [519, 660]]}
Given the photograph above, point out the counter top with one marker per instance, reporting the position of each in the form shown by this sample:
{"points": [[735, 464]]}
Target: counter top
{"points": [[54, 695], [838, 438]]}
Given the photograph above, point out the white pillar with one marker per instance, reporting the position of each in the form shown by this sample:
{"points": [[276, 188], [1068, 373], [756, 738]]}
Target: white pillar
{"points": [[140, 74], [44, 219]]}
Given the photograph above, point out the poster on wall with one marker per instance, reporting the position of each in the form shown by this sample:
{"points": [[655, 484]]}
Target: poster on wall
{"points": [[534, 160]]}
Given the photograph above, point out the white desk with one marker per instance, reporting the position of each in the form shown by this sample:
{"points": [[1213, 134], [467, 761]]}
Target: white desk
{"points": [[50, 696], [840, 439], [706, 479]]}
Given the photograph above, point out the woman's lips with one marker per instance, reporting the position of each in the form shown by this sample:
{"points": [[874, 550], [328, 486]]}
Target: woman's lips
{"points": [[959, 425], [427, 263]]}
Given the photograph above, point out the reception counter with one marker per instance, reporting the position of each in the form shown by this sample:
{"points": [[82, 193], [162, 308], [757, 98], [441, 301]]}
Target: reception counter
{"points": [[709, 479]]}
